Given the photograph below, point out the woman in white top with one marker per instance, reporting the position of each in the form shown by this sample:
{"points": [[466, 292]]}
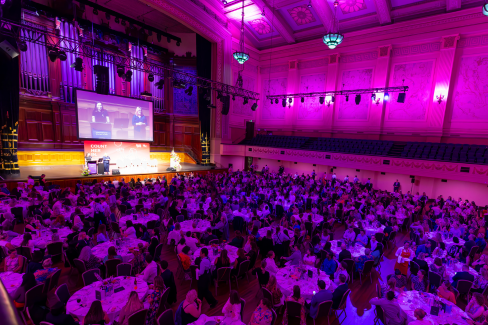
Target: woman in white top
{"points": [[270, 263], [232, 308], [175, 234], [130, 232]]}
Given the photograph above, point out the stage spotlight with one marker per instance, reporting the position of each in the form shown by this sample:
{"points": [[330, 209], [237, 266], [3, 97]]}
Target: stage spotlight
{"points": [[189, 90], [302, 99], [332, 99], [120, 71], [107, 16], [357, 99], [207, 95], [62, 56], [386, 97], [219, 94], [283, 102], [53, 55], [373, 97], [276, 100], [160, 84], [128, 76], [168, 39], [150, 77], [347, 98], [245, 101], [117, 20], [122, 22], [254, 106], [233, 97], [95, 11], [271, 101], [78, 64], [177, 43], [321, 100], [22, 45]]}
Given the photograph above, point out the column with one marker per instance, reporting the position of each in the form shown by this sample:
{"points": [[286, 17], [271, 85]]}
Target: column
{"points": [[331, 85], [381, 76]]}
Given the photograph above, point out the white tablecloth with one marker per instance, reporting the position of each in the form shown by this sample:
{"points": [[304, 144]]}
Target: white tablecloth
{"points": [[411, 300], [111, 305], [11, 281], [201, 227], [44, 239], [203, 319], [145, 202], [287, 278], [87, 211], [231, 253], [447, 241], [23, 204], [101, 250], [356, 251], [140, 220]]}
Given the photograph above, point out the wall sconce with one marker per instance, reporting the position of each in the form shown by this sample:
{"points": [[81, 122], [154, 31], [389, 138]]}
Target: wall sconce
{"points": [[377, 101], [328, 103], [440, 97]]}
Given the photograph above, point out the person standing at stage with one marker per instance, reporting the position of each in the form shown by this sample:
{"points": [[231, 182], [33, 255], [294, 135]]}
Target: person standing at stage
{"points": [[139, 122], [100, 114], [106, 163]]}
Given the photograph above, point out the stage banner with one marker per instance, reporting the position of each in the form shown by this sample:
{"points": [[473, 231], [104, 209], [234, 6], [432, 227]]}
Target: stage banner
{"points": [[123, 155]]}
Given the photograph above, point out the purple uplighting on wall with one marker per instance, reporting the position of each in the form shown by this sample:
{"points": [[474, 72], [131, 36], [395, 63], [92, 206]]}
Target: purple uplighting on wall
{"points": [[137, 83], [71, 77], [34, 76]]}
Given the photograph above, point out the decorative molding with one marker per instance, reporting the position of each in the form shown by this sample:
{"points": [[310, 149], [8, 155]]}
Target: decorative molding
{"points": [[449, 41], [366, 56], [313, 63], [383, 11], [475, 41], [274, 69], [334, 58], [292, 64], [384, 51], [417, 49], [211, 13]]}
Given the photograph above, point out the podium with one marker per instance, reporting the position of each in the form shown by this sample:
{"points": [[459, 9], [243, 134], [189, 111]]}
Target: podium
{"points": [[92, 167], [101, 168], [101, 130]]}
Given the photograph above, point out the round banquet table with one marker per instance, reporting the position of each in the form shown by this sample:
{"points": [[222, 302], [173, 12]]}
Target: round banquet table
{"points": [[370, 230], [44, 239], [111, 305], [452, 269], [20, 204], [101, 250], [263, 231], [87, 211], [287, 278], [411, 300], [141, 220], [231, 253], [145, 203], [447, 241], [11, 281], [356, 250], [201, 227], [316, 219]]}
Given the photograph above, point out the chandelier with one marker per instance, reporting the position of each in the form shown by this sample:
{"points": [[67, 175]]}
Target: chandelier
{"points": [[485, 9], [240, 55], [333, 37]]}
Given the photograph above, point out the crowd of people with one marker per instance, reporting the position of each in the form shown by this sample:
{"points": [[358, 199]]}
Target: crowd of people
{"points": [[301, 213]]}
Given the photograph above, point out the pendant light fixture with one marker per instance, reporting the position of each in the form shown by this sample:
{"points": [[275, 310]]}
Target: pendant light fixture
{"points": [[333, 37], [485, 9], [240, 55]]}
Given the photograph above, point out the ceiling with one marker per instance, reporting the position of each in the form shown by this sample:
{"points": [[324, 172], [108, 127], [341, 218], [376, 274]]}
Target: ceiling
{"points": [[140, 11], [291, 21]]}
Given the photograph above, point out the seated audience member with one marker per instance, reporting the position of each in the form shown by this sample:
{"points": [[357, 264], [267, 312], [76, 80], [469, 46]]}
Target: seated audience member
{"points": [[270, 263], [263, 314], [232, 308], [102, 236], [463, 275], [401, 280], [329, 265], [419, 316], [58, 315], [262, 274], [389, 286], [419, 281], [481, 280], [296, 297], [191, 308], [151, 270], [476, 307], [339, 292], [112, 253], [394, 315], [424, 248], [130, 231], [445, 291], [185, 258], [363, 259], [275, 291], [361, 238], [169, 281], [238, 240], [28, 282], [14, 262], [47, 270], [96, 314], [91, 261], [344, 254]]}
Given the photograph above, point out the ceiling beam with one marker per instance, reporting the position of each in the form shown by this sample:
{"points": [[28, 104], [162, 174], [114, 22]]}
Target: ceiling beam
{"points": [[323, 11], [383, 11], [452, 5], [278, 22]]}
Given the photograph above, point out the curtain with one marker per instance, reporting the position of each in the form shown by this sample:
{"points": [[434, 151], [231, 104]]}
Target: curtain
{"points": [[137, 83]]}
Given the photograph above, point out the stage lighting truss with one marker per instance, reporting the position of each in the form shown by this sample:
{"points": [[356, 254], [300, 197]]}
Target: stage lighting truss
{"points": [[68, 45], [346, 93]]}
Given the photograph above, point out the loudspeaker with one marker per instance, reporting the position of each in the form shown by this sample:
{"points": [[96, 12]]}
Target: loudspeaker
{"points": [[9, 49], [226, 105], [401, 98], [412, 180], [249, 130], [102, 80], [332, 170], [115, 172]]}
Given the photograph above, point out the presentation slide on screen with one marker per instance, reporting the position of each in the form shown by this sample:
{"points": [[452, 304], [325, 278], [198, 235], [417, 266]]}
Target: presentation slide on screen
{"points": [[107, 117]]}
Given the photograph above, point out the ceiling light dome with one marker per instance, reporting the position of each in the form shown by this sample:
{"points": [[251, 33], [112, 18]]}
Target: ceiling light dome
{"points": [[485, 9], [333, 37], [240, 55]]}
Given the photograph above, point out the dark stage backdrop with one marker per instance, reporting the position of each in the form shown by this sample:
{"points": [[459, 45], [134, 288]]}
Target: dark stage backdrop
{"points": [[204, 70], [9, 99]]}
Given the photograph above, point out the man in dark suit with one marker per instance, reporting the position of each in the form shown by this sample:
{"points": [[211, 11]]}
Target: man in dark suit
{"points": [[344, 253], [321, 296], [339, 292], [279, 209], [169, 282], [463, 275], [82, 242], [209, 236], [421, 263], [470, 243]]}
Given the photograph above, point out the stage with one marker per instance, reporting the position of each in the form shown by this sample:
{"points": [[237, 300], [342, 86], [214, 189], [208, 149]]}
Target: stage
{"points": [[74, 172]]}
